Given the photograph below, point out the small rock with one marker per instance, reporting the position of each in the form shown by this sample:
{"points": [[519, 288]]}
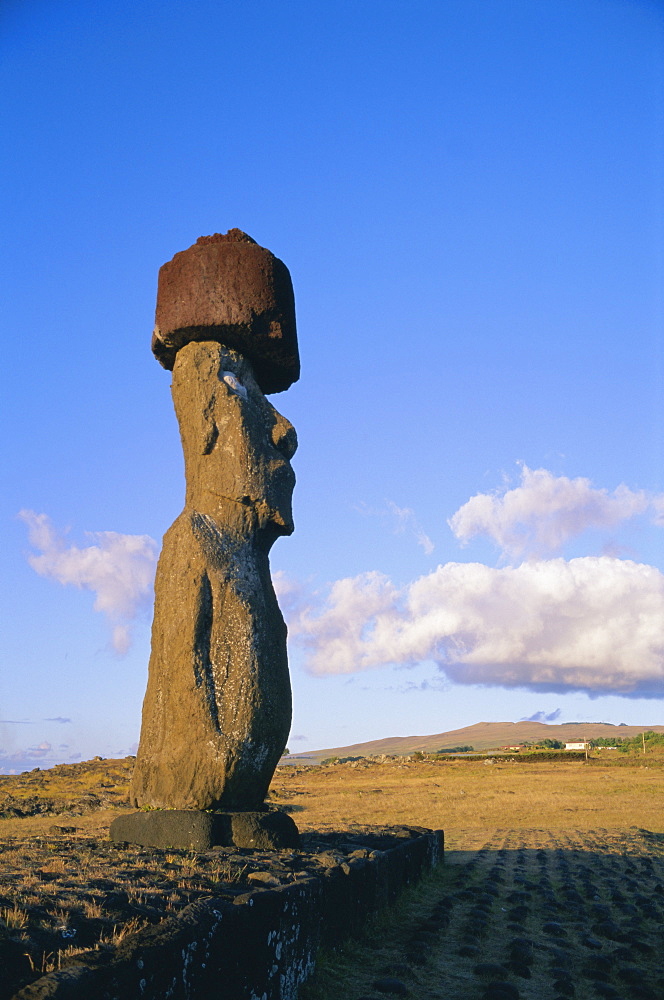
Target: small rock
{"points": [[468, 951], [501, 991], [489, 970], [263, 877], [601, 962], [326, 860], [630, 974], [555, 929], [606, 991], [607, 929], [517, 969], [390, 985], [521, 951]]}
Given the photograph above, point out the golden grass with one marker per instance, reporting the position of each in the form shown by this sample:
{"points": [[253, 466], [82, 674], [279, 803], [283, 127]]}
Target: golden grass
{"points": [[70, 788], [586, 810], [94, 824], [468, 795], [447, 795]]}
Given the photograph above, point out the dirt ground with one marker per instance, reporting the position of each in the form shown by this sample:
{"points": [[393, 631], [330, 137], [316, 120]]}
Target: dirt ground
{"points": [[553, 884]]}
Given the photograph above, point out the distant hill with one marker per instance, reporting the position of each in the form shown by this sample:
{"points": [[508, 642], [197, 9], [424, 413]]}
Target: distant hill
{"points": [[484, 736]]}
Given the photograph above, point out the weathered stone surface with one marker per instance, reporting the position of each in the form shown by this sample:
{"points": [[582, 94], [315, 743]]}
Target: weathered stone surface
{"points": [[227, 288], [217, 709], [263, 830], [193, 829]]}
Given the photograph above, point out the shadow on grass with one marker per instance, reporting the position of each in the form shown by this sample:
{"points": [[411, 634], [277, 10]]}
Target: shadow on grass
{"points": [[518, 915]]}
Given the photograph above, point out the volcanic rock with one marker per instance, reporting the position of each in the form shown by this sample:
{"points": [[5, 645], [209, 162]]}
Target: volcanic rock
{"points": [[217, 709], [227, 288]]}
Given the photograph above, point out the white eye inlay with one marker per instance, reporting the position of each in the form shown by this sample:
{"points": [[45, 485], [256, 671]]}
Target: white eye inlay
{"points": [[234, 384]]}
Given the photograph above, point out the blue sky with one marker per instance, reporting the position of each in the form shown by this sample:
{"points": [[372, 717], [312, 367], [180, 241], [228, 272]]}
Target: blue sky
{"points": [[469, 198]]}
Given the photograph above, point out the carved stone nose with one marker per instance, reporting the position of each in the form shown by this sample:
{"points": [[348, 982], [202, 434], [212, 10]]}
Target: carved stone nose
{"points": [[284, 437]]}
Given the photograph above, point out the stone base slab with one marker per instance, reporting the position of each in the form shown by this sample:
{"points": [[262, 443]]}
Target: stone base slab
{"points": [[195, 830]]}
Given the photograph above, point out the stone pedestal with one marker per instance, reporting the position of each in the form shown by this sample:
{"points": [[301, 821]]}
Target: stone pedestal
{"points": [[196, 830]]}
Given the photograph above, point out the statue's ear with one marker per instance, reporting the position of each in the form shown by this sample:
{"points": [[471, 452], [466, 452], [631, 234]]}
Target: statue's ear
{"points": [[210, 431]]}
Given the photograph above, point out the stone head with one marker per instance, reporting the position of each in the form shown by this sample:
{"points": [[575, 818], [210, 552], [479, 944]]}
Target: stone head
{"points": [[237, 446]]}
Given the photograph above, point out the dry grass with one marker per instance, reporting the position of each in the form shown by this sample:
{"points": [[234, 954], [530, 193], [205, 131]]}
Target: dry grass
{"points": [[551, 914], [66, 790], [473, 795], [527, 820], [567, 838]]}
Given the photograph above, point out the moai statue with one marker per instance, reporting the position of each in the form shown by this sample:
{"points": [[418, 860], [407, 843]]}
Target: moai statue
{"points": [[217, 710]]}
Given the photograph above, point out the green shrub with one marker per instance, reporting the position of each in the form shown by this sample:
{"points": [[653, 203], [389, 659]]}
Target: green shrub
{"points": [[539, 755]]}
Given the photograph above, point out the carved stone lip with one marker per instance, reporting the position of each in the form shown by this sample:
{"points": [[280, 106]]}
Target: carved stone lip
{"points": [[230, 290]]}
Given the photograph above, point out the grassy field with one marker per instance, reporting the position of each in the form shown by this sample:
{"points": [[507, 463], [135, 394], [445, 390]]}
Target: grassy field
{"points": [[553, 884], [469, 795], [611, 790], [552, 888]]}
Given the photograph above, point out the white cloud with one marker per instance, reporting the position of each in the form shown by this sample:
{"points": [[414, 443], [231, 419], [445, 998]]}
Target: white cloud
{"points": [[289, 592], [405, 519], [119, 569], [543, 716], [546, 511], [591, 624], [27, 758], [658, 509], [402, 520]]}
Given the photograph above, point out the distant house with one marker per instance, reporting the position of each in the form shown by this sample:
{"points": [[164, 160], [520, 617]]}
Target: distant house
{"points": [[577, 746]]}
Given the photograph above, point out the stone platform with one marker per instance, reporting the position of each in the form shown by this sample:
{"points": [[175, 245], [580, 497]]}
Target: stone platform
{"points": [[197, 830], [262, 942]]}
